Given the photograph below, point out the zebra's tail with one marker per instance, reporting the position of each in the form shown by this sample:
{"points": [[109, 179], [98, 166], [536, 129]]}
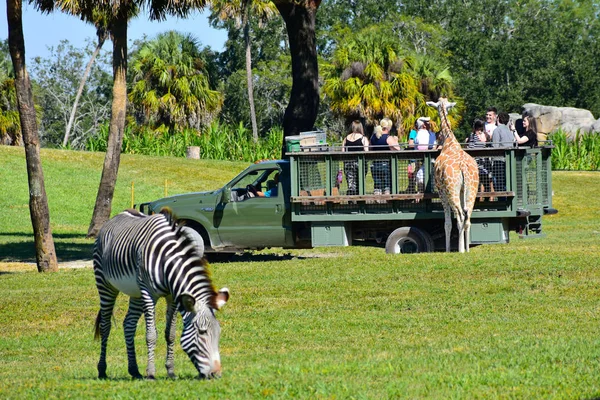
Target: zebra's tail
{"points": [[97, 327]]}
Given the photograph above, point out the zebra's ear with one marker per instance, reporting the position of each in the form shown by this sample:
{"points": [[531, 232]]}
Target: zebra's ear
{"points": [[188, 302], [432, 104], [222, 298], [450, 105]]}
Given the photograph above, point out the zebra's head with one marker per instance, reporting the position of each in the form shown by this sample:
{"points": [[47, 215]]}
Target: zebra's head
{"points": [[201, 332]]}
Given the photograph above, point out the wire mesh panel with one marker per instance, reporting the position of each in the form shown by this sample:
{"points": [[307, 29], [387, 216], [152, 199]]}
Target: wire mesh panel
{"points": [[411, 175], [311, 175], [350, 175], [531, 176], [380, 168], [545, 168], [520, 165]]}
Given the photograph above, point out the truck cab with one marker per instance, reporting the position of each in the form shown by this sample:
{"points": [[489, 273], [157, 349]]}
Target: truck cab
{"points": [[233, 217]]}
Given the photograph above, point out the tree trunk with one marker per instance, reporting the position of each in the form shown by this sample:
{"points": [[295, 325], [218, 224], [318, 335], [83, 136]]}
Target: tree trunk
{"points": [[117, 127], [301, 112], [101, 32], [246, 23], [38, 202]]}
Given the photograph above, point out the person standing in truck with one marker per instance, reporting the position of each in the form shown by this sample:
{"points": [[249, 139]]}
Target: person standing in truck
{"points": [[381, 169], [354, 141]]}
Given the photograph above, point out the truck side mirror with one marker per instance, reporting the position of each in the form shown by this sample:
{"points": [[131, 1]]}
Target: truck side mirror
{"points": [[225, 195]]}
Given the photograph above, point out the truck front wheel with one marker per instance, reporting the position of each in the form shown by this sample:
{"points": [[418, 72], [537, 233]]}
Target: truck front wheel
{"points": [[408, 239], [195, 237]]}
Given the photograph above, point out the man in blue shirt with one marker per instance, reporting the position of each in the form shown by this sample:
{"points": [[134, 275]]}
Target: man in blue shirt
{"points": [[271, 192]]}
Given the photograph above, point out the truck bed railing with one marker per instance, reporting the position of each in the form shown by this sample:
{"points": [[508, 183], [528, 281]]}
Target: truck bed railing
{"points": [[511, 179]]}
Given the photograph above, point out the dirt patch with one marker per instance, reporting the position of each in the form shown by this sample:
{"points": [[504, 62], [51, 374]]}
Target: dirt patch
{"points": [[8, 267]]}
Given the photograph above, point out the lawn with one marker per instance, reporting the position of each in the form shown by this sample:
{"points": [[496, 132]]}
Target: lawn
{"points": [[504, 321]]}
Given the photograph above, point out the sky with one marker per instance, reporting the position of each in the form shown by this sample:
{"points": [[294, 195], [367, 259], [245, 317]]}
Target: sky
{"points": [[43, 30]]}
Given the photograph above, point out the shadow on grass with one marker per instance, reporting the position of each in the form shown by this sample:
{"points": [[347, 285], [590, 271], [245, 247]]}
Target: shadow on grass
{"points": [[248, 257], [24, 251]]}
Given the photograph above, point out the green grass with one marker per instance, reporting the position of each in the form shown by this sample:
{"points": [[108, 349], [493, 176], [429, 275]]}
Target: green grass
{"points": [[504, 321]]}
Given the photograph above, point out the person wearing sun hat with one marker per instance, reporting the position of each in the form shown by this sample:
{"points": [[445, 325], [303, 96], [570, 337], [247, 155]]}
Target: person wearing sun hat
{"points": [[422, 138]]}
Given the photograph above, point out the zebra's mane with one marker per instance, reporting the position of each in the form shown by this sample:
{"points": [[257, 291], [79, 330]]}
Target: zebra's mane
{"points": [[198, 261]]}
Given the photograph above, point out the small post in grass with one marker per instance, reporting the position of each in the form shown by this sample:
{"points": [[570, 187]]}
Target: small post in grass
{"points": [[166, 188], [132, 194]]}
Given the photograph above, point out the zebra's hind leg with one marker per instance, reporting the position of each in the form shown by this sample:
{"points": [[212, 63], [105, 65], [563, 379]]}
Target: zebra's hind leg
{"points": [[149, 303], [108, 296], [170, 337], [129, 327]]}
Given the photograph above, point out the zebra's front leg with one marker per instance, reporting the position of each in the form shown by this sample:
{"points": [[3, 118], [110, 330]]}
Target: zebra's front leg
{"points": [[170, 337], [149, 304], [129, 327]]}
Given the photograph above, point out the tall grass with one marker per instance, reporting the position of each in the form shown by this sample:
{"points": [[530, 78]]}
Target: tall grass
{"points": [[581, 153], [217, 142]]}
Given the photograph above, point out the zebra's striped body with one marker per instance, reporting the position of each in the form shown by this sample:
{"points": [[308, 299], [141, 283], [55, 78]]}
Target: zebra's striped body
{"points": [[148, 257]]}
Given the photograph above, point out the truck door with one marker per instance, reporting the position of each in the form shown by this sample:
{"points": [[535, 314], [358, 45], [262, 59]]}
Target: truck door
{"points": [[250, 221]]}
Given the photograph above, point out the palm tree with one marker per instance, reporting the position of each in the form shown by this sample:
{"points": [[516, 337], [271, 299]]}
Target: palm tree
{"points": [[117, 14], [239, 11], [170, 83], [300, 17], [38, 201], [10, 127], [369, 78]]}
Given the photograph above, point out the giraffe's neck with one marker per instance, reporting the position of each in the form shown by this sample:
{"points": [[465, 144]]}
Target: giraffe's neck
{"points": [[447, 136]]}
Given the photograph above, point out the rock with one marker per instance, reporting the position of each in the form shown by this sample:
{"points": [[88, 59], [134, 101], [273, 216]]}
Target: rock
{"points": [[570, 120], [193, 152]]}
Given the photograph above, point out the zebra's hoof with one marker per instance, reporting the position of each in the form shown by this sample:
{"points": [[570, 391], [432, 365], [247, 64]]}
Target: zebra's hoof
{"points": [[150, 378], [172, 375]]}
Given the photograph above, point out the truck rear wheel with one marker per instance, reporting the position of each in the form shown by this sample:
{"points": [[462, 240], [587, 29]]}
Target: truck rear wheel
{"points": [[408, 239], [196, 238]]}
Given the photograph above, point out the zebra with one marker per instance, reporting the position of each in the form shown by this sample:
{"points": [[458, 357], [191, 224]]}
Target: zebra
{"points": [[148, 257]]}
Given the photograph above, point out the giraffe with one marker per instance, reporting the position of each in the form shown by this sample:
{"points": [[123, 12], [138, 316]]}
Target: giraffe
{"points": [[456, 178]]}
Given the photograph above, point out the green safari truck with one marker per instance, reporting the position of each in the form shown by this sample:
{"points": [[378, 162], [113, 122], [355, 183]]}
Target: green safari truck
{"points": [[392, 201]]}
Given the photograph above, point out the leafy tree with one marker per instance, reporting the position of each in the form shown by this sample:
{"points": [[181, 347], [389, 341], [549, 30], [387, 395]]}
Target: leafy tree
{"points": [[272, 86], [241, 11], [170, 84], [102, 35], [57, 78], [38, 201]]}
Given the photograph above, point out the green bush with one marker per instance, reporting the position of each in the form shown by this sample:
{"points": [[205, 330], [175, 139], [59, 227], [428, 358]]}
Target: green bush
{"points": [[217, 142], [582, 153]]}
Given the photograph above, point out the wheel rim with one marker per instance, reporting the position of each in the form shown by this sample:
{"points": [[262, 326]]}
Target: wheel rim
{"points": [[406, 246]]}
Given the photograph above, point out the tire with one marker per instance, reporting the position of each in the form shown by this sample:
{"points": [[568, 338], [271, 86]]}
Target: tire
{"points": [[195, 237], [407, 239]]}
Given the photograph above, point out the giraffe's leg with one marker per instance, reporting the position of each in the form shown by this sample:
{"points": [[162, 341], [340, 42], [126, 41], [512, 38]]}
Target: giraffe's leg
{"points": [[460, 225], [148, 304], [467, 229], [461, 235], [129, 327], [448, 226], [170, 337], [108, 296]]}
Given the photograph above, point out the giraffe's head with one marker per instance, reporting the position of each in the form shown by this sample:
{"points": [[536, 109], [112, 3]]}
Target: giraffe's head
{"points": [[442, 104]]}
